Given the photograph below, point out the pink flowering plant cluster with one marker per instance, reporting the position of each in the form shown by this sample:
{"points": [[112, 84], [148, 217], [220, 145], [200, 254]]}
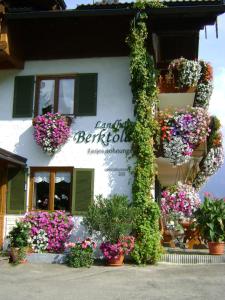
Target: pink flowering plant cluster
{"points": [[51, 131], [180, 200], [49, 230], [125, 245], [182, 132], [81, 253]]}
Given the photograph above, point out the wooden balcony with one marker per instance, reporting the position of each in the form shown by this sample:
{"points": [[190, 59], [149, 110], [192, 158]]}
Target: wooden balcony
{"points": [[172, 97]]}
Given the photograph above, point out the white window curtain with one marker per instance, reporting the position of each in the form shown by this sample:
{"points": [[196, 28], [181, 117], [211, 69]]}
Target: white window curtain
{"points": [[66, 96], [62, 176], [41, 177]]}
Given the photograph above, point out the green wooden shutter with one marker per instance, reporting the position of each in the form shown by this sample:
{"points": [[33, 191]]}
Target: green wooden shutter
{"points": [[16, 196], [83, 183], [86, 95], [23, 97]]}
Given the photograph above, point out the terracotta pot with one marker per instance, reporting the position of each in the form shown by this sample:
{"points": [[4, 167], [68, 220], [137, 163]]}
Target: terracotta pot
{"points": [[15, 256], [116, 262], [216, 248], [14, 253]]}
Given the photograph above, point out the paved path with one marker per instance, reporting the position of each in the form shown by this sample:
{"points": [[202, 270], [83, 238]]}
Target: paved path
{"points": [[53, 282]]}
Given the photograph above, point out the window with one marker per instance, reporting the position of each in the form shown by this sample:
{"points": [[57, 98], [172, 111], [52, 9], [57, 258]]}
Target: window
{"points": [[55, 94], [61, 188], [51, 188], [67, 94]]}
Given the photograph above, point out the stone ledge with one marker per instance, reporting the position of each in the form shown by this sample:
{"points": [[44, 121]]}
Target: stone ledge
{"points": [[46, 258]]}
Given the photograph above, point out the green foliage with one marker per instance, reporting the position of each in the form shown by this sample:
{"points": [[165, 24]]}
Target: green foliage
{"points": [[19, 235], [112, 217], [141, 4], [78, 257], [211, 219], [147, 247], [141, 133], [215, 125]]}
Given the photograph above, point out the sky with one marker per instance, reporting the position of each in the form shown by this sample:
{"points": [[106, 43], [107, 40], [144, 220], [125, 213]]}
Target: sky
{"points": [[211, 50]]}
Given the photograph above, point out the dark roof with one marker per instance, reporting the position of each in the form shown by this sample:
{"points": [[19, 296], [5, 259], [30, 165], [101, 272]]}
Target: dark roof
{"points": [[13, 158], [168, 3], [100, 30], [30, 5]]}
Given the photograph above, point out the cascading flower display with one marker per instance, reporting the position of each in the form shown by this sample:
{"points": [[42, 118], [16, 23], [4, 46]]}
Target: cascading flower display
{"points": [[205, 86], [182, 132], [180, 199], [214, 157], [50, 229], [51, 131]]}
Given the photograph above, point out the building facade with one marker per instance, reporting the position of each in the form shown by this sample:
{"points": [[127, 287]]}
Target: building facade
{"points": [[77, 63]]}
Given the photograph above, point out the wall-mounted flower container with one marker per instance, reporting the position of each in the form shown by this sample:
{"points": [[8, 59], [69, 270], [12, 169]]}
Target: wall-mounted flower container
{"points": [[51, 131]]}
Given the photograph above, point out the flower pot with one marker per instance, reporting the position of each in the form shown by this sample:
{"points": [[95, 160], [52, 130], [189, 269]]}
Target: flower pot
{"points": [[116, 261], [216, 248], [17, 255]]}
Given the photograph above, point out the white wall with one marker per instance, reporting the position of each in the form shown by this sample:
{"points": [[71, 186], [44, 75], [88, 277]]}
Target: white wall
{"points": [[114, 102]]}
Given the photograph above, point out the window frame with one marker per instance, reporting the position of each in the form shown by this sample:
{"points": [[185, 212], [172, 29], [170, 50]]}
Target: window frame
{"points": [[56, 78], [52, 171]]}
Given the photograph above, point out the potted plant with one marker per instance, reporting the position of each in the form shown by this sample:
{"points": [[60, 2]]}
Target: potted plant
{"points": [[19, 241], [80, 254], [211, 222], [112, 218]]}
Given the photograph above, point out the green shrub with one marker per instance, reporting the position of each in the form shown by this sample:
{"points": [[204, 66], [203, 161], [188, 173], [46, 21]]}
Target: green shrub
{"points": [[80, 254], [112, 217]]}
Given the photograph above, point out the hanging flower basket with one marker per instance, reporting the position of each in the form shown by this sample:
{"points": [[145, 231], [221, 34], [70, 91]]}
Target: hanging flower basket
{"points": [[51, 131], [182, 132], [181, 200]]}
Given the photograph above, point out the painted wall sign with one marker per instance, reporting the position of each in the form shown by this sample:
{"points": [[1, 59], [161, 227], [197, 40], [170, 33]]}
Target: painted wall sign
{"points": [[109, 133]]}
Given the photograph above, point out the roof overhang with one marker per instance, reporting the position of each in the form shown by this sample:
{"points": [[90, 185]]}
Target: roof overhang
{"points": [[12, 158], [100, 31]]}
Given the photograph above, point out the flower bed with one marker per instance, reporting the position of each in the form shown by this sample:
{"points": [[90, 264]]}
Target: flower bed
{"points": [[182, 132], [51, 131], [49, 230]]}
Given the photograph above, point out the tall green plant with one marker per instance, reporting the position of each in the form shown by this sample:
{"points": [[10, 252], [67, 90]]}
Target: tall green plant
{"points": [[141, 134], [211, 219], [112, 217]]}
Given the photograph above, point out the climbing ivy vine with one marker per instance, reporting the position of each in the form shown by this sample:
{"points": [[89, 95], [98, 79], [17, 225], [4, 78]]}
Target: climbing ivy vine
{"points": [[142, 133]]}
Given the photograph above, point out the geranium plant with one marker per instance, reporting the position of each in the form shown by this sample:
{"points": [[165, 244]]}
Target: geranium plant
{"points": [[49, 230], [51, 131], [125, 245], [181, 200], [80, 254], [182, 132]]}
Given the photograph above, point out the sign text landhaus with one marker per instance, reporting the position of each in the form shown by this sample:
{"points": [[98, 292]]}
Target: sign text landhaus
{"points": [[109, 133]]}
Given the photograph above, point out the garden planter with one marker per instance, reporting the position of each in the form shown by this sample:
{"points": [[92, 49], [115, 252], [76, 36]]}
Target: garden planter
{"points": [[216, 248], [116, 262], [16, 255]]}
